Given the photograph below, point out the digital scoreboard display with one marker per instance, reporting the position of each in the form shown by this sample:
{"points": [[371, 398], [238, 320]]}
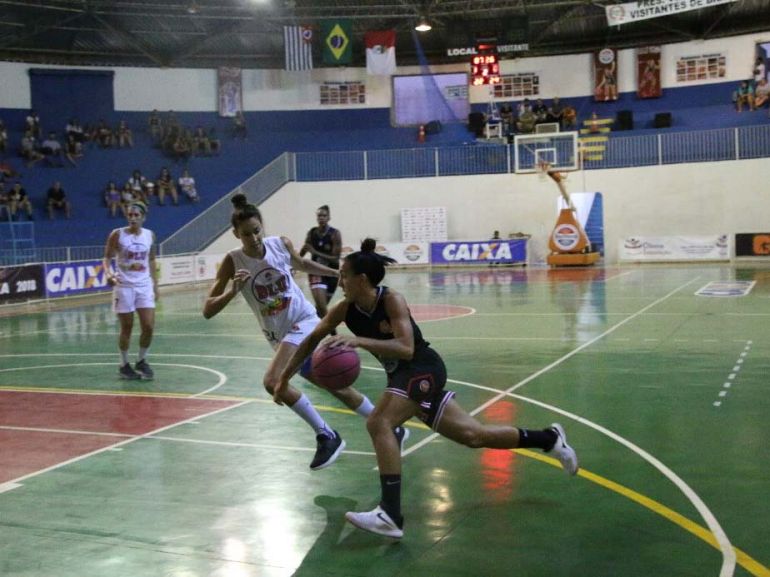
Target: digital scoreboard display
{"points": [[485, 67]]}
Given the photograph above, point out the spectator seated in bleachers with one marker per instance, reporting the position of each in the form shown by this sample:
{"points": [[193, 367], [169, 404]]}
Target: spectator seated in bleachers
{"points": [[52, 150], [57, 200], [3, 138], [155, 125], [526, 122], [240, 129], [124, 136], [569, 118], [74, 129], [128, 196], [32, 124], [181, 149], [5, 209], [28, 150], [540, 110], [73, 150], [19, 201], [102, 134], [761, 93], [165, 185], [744, 95], [112, 199], [214, 144], [555, 111], [200, 142], [506, 116], [187, 186], [140, 187]]}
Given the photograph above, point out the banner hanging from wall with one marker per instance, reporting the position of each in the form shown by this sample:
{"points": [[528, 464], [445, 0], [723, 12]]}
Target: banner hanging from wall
{"points": [[229, 91], [479, 252], [618, 14], [606, 75], [20, 283], [676, 248], [74, 278], [648, 72]]}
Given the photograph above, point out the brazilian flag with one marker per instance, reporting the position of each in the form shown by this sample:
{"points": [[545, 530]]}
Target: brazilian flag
{"points": [[337, 41]]}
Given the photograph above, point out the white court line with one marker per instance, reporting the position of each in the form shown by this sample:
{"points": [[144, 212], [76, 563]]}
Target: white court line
{"points": [[62, 431], [222, 378], [131, 439], [728, 555], [252, 445]]}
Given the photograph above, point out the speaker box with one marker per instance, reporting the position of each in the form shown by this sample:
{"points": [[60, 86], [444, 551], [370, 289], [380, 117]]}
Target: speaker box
{"points": [[625, 120], [433, 127], [476, 123], [662, 120]]}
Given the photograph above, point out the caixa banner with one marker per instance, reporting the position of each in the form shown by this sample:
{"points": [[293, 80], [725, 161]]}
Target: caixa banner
{"points": [[479, 252], [74, 278], [21, 283]]}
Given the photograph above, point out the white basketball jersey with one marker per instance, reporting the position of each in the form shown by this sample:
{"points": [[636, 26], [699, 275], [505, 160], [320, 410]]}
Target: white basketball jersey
{"points": [[277, 301], [133, 258]]}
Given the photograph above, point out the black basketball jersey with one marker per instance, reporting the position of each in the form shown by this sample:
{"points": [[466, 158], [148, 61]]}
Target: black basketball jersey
{"points": [[323, 243], [376, 325]]}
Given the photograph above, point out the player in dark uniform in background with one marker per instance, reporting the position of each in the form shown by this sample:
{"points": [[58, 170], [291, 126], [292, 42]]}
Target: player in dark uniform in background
{"points": [[324, 243], [382, 324]]}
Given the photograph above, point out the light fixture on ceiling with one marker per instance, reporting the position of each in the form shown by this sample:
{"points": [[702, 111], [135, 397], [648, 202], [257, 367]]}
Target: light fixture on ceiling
{"points": [[193, 7], [423, 25]]}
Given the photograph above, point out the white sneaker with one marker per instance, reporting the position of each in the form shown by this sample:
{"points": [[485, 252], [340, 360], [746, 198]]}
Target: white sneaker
{"points": [[375, 521], [562, 451]]}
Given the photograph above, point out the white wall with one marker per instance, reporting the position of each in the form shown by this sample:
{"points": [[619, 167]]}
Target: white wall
{"points": [[682, 199], [143, 89]]}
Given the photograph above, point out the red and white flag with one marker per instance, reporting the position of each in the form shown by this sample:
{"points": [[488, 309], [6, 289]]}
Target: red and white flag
{"points": [[380, 52], [298, 47]]}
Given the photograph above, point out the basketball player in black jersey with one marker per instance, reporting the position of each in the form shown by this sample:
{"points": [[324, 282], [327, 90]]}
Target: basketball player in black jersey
{"points": [[324, 243], [382, 324]]}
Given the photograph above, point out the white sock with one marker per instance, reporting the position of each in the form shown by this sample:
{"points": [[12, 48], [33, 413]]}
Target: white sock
{"points": [[124, 357], [143, 353], [365, 408], [305, 409]]}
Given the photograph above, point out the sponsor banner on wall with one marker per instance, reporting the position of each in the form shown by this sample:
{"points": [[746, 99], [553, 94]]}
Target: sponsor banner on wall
{"points": [[72, 278], [752, 244], [207, 265], [680, 248], [618, 14], [176, 269], [20, 283], [403, 252], [479, 252]]}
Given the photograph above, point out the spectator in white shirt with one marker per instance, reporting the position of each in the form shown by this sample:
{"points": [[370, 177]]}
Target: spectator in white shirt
{"points": [[187, 185]]}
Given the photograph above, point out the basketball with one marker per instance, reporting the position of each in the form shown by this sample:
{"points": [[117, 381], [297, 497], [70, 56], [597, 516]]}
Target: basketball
{"points": [[335, 368]]}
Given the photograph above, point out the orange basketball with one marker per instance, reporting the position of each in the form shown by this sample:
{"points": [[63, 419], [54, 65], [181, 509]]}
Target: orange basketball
{"points": [[335, 367]]}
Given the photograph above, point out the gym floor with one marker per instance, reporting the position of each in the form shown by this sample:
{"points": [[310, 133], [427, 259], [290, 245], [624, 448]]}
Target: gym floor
{"points": [[663, 393]]}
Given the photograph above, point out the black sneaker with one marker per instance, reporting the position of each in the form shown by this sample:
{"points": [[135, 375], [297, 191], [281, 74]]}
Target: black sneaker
{"points": [[402, 434], [144, 370], [129, 374], [329, 448]]}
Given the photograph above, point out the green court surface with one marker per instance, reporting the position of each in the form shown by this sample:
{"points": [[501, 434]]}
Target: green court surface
{"points": [[663, 393]]}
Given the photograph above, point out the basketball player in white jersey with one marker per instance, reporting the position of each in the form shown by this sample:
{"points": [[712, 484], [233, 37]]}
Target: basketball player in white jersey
{"points": [[261, 270], [135, 286]]}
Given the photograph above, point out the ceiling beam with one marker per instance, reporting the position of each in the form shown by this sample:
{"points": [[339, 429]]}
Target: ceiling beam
{"points": [[132, 40]]}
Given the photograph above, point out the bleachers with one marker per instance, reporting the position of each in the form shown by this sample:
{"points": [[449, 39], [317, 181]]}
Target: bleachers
{"points": [[272, 133]]}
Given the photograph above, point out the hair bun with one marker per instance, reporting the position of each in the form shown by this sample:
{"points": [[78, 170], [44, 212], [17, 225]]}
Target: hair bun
{"points": [[368, 245], [239, 200]]}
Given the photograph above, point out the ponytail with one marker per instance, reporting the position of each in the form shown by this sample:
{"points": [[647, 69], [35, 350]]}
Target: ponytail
{"points": [[367, 261]]}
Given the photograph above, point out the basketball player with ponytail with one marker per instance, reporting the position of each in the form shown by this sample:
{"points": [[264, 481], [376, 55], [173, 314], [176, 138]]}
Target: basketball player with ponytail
{"points": [[261, 271], [381, 323]]}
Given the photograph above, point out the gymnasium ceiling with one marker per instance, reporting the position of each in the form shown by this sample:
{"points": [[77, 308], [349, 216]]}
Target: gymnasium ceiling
{"points": [[249, 33]]}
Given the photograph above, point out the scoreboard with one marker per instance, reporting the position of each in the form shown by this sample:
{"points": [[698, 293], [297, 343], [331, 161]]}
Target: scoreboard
{"points": [[485, 66]]}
